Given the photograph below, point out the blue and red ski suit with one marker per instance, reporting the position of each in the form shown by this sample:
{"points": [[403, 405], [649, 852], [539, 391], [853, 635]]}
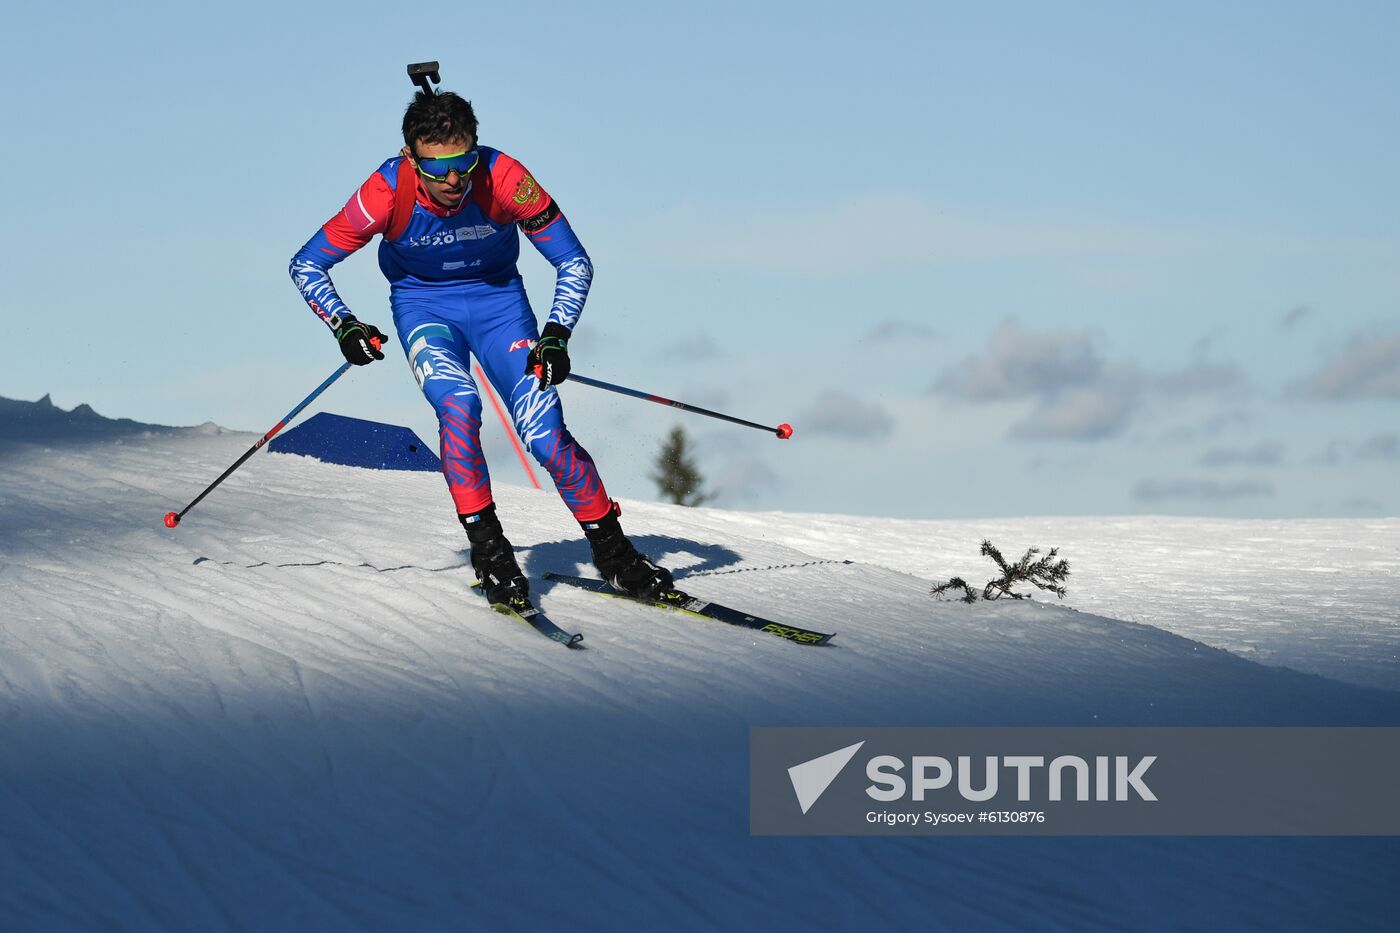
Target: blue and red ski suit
{"points": [[455, 292]]}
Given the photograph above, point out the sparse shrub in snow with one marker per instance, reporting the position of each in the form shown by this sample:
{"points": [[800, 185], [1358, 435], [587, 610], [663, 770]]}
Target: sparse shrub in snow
{"points": [[677, 476], [956, 583], [1045, 573]]}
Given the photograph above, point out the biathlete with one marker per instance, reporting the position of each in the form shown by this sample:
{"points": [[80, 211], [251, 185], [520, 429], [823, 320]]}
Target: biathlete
{"points": [[448, 210]]}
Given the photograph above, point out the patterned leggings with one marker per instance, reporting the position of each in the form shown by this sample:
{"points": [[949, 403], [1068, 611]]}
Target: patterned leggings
{"points": [[440, 325]]}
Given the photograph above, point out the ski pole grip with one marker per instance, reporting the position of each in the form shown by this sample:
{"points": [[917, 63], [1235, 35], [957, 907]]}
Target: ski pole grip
{"points": [[375, 342]]}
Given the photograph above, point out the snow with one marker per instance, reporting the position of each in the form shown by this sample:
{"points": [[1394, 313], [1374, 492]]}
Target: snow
{"points": [[1318, 595], [291, 712]]}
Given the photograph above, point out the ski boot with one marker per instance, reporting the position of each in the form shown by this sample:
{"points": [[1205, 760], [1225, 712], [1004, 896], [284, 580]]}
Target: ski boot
{"points": [[619, 563], [493, 559]]}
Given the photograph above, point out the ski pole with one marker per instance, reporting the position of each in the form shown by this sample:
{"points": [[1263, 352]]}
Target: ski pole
{"points": [[173, 518], [783, 431]]}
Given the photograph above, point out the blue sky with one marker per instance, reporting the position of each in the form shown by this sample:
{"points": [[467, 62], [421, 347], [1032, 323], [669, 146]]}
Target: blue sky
{"points": [[991, 259]]}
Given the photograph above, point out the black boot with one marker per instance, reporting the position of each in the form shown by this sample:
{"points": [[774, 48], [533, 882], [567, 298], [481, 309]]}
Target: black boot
{"points": [[621, 564], [493, 558]]}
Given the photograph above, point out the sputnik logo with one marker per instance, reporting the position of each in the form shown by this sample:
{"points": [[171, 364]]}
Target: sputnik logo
{"points": [[811, 778]]}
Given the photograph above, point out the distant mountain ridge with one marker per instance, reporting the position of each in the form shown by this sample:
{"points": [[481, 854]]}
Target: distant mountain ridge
{"points": [[43, 422]]}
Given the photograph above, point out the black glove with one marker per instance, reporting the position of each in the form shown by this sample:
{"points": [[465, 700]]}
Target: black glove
{"points": [[549, 360], [359, 342]]}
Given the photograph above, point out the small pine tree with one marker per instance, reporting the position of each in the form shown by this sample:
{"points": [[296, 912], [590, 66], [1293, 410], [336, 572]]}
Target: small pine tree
{"points": [[1045, 573], [677, 477], [956, 583]]}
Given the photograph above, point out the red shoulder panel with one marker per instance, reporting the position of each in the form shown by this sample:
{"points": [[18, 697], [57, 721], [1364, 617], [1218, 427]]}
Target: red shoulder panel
{"points": [[364, 215]]}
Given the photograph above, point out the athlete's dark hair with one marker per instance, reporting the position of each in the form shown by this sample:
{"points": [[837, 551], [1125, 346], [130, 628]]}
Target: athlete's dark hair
{"points": [[438, 118]]}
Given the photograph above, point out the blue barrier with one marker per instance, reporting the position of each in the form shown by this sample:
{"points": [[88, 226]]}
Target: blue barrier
{"points": [[355, 442]]}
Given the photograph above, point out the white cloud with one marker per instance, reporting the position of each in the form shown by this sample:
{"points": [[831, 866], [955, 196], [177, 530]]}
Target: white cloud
{"points": [[1154, 490], [1079, 395], [1294, 316], [1265, 453], [1368, 368], [744, 480], [1019, 364], [1362, 504], [841, 415], [1201, 377], [899, 331], [692, 348], [1233, 421], [869, 230], [1090, 413], [1380, 447]]}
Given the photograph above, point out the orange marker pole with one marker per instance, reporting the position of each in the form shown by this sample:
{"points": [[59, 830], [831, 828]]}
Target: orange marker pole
{"points": [[510, 429]]}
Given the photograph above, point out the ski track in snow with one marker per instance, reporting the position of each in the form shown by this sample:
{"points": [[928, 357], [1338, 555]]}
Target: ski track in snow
{"points": [[1318, 595], [291, 713]]}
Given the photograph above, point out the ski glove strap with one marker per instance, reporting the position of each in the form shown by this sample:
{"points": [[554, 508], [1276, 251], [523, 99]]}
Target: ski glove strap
{"points": [[359, 342], [549, 359]]}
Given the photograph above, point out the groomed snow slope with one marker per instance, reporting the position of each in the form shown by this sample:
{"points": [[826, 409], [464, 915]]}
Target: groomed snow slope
{"points": [[291, 713]]}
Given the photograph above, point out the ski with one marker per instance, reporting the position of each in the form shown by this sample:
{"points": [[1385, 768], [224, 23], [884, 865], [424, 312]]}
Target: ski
{"points": [[685, 603], [522, 610]]}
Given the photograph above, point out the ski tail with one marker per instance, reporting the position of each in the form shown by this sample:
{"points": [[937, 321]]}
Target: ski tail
{"points": [[522, 610]]}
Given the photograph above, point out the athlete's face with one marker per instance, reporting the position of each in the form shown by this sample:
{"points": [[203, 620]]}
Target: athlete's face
{"points": [[447, 193]]}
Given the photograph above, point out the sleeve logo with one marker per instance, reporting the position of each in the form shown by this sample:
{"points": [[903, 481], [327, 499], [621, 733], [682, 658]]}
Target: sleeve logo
{"points": [[526, 192]]}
